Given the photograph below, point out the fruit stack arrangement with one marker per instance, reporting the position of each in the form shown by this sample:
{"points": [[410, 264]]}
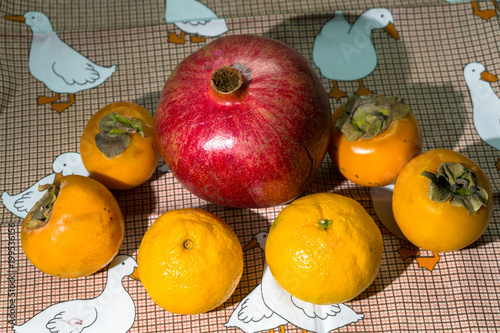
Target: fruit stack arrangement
{"points": [[245, 122]]}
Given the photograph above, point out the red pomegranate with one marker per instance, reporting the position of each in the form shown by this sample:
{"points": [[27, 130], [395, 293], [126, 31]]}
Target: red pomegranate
{"points": [[244, 122]]}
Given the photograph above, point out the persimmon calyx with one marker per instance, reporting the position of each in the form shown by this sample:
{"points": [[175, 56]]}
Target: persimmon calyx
{"points": [[114, 136], [456, 183], [367, 116], [39, 215]]}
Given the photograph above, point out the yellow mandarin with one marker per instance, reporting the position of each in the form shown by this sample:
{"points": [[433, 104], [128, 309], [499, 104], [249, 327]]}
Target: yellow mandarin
{"points": [[190, 261], [324, 248]]}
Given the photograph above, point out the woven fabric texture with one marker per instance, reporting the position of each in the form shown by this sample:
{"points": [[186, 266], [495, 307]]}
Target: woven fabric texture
{"points": [[425, 66]]}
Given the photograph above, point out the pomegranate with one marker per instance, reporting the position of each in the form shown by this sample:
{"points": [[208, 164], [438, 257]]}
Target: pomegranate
{"points": [[244, 122]]}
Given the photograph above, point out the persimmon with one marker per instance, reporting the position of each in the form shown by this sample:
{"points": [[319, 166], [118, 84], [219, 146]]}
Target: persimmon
{"points": [[118, 146], [442, 201], [75, 229], [373, 138]]}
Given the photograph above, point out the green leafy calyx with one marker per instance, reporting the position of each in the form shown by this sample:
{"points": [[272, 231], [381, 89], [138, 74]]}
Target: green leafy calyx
{"points": [[115, 131], [367, 116], [456, 183]]}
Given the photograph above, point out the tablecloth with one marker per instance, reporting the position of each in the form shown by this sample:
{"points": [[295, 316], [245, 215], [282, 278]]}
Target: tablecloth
{"points": [[426, 65]]}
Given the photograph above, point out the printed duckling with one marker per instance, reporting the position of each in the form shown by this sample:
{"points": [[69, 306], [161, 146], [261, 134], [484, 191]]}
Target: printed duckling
{"points": [[485, 103], [307, 316], [194, 18], [113, 311], [65, 164], [485, 14], [345, 52], [54, 63]]}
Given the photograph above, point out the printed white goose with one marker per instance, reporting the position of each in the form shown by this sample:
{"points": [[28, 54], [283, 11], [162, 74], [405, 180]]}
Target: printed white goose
{"points": [[113, 311], [62, 69], [64, 164], [345, 52], [252, 315], [485, 103], [194, 18], [307, 316]]}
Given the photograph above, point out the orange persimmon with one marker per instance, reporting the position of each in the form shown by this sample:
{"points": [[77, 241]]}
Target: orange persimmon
{"points": [[75, 229], [442, 201], [372, 139], [118, 146]]}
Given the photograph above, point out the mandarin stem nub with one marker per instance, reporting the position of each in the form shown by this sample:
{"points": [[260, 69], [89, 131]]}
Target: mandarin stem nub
{"points": [[187, 244], [325, 223]]}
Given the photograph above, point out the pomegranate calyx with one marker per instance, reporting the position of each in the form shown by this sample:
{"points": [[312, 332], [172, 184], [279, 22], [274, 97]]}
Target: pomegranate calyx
{"points": [[226, 80]]}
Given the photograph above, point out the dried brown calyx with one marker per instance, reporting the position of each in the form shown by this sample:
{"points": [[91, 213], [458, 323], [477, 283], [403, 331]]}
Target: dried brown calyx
{"points": [[226, 80], [39, 215]]}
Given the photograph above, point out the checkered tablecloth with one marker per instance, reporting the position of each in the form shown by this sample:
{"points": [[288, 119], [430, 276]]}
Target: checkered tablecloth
{"points": [[425, 65]]}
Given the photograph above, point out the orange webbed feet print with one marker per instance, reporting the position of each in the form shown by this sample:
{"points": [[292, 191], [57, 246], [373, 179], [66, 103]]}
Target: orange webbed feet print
{"points": [[176, 39], [485, 14], [428, 262], [193, 17]]}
